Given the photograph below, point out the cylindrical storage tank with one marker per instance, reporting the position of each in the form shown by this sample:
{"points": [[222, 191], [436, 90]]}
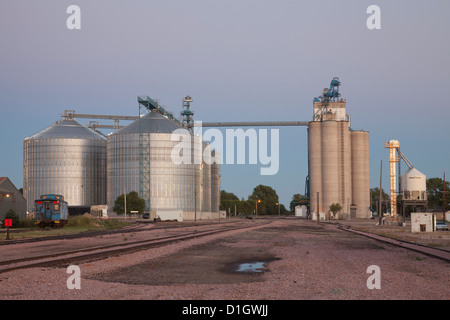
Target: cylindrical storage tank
{"points": [[345, 166], [315, 164], [197, 160], [215, 183], [413, 185], [330, 173], [206, 194], [360, 173], [173, 186], [66, 158], [366, 157]]}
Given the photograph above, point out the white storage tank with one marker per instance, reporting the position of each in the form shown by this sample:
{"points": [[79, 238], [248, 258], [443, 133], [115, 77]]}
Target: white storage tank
{"points": [[413, 185]]}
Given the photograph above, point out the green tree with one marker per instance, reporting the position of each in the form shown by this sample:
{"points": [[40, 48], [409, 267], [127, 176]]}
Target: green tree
{"points": [[435, 186], [335, 208], [134, 203], [296, 200], [228, 200], [375, 198], [227, 195], [268, 197]]}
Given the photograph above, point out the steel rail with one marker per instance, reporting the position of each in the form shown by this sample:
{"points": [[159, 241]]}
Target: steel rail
{"points": [[95, 253], [430, 251]]}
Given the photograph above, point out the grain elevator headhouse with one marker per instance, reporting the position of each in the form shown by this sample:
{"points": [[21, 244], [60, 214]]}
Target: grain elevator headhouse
{"points": [[338, 158]]}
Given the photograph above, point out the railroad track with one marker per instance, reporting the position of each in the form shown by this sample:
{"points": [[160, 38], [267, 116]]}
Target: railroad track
{"points": [[430, 251], [132, 228], [137, 227], [101, 252]]}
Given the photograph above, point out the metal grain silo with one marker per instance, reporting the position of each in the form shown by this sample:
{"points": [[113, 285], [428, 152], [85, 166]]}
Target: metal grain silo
{"points": [[413, 185], [197, 158], [330, 173], [173, 186], [66, 158], [206, 183], [360, 173], [215, 184], [315, 164]]}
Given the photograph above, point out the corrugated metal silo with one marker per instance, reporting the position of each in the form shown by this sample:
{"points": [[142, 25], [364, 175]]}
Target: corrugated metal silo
{"points": [[173, 187], [197, 159], [215, 183], [206, 184], [171, 184], [66, 158]]}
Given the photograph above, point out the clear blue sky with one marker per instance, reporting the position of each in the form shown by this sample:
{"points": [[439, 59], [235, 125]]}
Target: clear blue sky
{"points": [[242, 60]]}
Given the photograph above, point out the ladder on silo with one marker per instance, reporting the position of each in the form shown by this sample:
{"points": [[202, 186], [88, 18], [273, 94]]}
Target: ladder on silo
{"points": [[146, 104]]}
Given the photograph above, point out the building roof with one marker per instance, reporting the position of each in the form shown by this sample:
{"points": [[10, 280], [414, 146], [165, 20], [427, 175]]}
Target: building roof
{"points": [[153, 122], [67, 129], [7, 187]]}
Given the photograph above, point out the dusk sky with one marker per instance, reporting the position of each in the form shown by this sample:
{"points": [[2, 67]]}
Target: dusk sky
{"points": [[248, 60]]}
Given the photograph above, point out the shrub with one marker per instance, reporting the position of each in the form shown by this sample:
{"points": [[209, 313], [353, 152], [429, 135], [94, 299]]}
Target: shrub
{"points": [[11, 214]]}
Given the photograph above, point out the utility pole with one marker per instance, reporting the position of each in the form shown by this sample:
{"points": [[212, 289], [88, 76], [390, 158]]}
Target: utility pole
{"points": [[381, 195], [443, 201], [318, 214], [195, 195], [125, 202]]}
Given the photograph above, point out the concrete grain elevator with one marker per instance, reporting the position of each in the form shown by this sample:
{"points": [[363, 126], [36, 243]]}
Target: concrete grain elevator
{"points": [[338, 159]]}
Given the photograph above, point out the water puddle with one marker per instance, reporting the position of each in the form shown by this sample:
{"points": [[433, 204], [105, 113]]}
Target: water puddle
{"points": [[251, 267]]}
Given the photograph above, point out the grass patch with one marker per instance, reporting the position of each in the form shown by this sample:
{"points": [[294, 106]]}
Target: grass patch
{"points": [[418, 258], [76, 224]]}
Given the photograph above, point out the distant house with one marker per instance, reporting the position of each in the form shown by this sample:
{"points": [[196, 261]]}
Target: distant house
{"points": [[11, 198]]}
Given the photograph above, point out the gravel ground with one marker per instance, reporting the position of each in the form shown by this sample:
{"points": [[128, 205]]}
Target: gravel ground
{"points": [[439, 239], [304, 261]]}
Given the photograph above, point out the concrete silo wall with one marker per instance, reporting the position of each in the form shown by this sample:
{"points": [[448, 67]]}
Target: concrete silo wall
{"points": [[360, 173], [315, 164], [330, 160]]}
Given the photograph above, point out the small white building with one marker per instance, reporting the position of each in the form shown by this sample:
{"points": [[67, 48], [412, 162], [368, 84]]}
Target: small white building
{"points": [[423, 222], [99, 211], [321, 216], [301, 211]]}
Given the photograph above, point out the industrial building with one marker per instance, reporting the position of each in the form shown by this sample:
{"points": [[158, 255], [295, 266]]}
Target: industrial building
{"points": [[412, 185], [11, 199], [338, 159], [90, 168]]}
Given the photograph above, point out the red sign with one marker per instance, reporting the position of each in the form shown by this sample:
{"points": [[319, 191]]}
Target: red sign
{"points": [[8, 222]]}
